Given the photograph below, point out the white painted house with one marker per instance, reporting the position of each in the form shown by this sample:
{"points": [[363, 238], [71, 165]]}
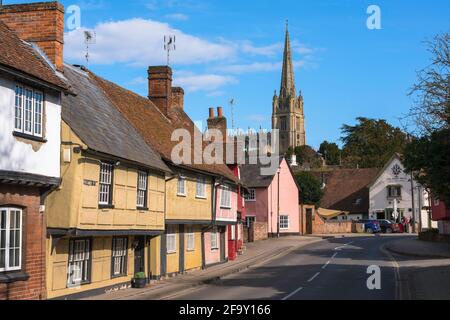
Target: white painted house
{"points": [[393, 196]]}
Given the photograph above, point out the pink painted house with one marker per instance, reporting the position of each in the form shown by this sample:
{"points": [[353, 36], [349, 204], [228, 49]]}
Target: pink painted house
{"points": [[272, 200], [224, 223]]}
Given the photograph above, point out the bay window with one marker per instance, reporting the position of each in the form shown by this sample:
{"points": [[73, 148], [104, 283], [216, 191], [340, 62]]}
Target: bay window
{"points": [[28, 111]]}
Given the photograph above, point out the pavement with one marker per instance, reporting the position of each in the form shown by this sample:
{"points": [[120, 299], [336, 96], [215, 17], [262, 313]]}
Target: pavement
{"points": [[417, 248], [255, 253]]}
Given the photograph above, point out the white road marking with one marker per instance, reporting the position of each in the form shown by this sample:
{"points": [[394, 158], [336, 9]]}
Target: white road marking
{"points": [[293, 293], [334, 255], [326, 264], [347, 244], [314, 276]]}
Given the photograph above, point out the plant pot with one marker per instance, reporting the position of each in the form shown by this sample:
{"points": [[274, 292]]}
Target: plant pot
{"points": [[139, 283]]}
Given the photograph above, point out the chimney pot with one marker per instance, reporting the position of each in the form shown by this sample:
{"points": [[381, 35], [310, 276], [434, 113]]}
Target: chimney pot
{"points": [[211, 113], [219, 112]]}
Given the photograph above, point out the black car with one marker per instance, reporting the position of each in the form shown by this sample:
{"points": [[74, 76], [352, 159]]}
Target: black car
{"points": [[387, 226]]}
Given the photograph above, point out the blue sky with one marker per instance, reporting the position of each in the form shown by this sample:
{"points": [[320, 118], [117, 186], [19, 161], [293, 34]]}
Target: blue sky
{"points": [[233, 49]]}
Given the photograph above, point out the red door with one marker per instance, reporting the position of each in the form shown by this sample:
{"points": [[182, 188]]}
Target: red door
{"points": [[232, 234]]}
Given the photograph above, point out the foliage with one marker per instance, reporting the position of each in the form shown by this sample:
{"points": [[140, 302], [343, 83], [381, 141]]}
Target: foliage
{"points": [[307, 156], [371, 143], [311, 191], [330, 152], [428, 157], [140, 275]]}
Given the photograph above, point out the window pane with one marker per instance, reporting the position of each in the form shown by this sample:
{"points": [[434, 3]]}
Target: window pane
{"points": [[38, 113], [28, 111], [18, 108]]}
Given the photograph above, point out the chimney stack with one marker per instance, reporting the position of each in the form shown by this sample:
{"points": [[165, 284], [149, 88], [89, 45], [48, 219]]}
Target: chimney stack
{"points": [[219, 122], [178, 97], [40, 23], [160, 87]]}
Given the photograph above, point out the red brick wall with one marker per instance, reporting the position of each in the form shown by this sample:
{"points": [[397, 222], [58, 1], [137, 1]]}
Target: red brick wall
{"points": [[41, 23], [33, 243]]}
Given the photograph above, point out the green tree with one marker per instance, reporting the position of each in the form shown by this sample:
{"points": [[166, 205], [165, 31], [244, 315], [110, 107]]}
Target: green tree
{"points": [[370, 143], [428, 158], [330, 152], [306, 155], [310, 188]]}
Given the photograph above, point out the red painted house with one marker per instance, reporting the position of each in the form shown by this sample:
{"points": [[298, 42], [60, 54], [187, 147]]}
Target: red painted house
{"points": [[236, 236]]}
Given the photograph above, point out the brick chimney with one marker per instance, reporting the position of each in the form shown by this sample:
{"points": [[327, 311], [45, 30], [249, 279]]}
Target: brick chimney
{"points": [[40, 23], [160, 87], [177, 97], [219, 122]]}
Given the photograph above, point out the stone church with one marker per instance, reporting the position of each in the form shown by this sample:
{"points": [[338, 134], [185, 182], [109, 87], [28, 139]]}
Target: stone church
{"points": [[288, 113]]}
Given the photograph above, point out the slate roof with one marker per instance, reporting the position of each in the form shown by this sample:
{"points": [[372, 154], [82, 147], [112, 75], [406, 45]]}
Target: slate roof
{"points": [[21, 56], [348, 189], [155, 127], [251, 175], [94, 119]]}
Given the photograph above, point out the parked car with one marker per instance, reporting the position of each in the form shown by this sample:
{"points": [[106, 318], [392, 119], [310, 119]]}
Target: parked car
{"points": [[388, 226], [371, 226]]}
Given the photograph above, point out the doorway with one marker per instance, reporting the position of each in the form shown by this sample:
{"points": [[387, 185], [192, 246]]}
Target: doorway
{"points": [[309, 214], [139, 254]]}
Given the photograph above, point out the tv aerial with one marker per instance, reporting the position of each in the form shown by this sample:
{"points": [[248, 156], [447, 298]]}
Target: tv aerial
{"points": [[89, 38], [169, 45]]}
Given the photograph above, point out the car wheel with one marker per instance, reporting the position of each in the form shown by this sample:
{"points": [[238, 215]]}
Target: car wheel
{"points": [[389, 230], [369, 230]]}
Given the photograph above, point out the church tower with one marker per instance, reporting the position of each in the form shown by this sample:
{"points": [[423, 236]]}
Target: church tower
{"points": [[288, 114]]}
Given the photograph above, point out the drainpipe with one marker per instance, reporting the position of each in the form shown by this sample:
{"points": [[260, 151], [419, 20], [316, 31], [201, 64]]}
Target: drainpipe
{"points": [[413, 204], [278, 206]]}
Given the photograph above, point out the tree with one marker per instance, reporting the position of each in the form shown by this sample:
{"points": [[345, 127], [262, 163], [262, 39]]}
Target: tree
{"points": [[431, 108], [330, 152], [311, 191], [306, 155], [428, 159], [371, 143], [427, 156]]}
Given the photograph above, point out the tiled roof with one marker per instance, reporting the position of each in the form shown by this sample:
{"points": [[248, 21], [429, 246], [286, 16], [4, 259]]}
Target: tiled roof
{"points": [[251, 175], [92, 116], [155, 127], [348, 189], [21, 56]]}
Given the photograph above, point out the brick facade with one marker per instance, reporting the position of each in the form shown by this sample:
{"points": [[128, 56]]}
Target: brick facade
{"points": [[33, 243], [49, 36]]}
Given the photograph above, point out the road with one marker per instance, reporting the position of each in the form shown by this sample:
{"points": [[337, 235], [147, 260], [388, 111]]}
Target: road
{"points": [[332, 269]]}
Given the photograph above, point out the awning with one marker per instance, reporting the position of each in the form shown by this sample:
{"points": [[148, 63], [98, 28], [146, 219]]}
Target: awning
{"points": [[329, 214]]}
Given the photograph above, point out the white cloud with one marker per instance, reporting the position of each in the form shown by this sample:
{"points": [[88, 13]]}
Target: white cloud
{"points": [[177, 16], [270, 50], [251, 67], [139, 42], [203, 82]]}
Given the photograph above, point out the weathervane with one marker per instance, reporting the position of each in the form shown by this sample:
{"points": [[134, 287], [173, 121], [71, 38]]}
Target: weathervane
{"points": [[169, 45], [89, 38]]}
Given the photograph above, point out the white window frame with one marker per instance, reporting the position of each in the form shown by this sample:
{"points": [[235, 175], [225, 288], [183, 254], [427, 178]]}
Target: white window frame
{"points": [[214, 240], [181, 193], [34, 125], [7, 229], [251, 195], [225, 197], [190, 240], [119, 257], [201, 188], [233, 232], [105, 184], [286, 219], [396, 188], [171, 240], [77, 259], [248, 219], [142, 189]]}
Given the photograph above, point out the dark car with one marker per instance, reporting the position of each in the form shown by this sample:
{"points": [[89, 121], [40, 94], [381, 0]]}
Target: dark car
{"points": [[388, 226], [371, 226]]}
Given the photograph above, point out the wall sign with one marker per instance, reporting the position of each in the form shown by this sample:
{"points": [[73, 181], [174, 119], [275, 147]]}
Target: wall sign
{"points": [[89, 183]]}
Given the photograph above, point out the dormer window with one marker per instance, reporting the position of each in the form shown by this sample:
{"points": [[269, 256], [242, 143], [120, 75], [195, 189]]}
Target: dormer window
{"points": [[28, 111]]}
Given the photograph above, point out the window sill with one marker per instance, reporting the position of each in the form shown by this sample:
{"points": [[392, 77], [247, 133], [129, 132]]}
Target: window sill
{"points": [[181, 195], [200, 198], [225, 208], [142, 209], [171, 252], [106, 206], [13, 276], [29, 137]]}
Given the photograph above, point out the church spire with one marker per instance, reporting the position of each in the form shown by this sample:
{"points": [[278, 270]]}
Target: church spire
{"points": [[287, 76]]}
